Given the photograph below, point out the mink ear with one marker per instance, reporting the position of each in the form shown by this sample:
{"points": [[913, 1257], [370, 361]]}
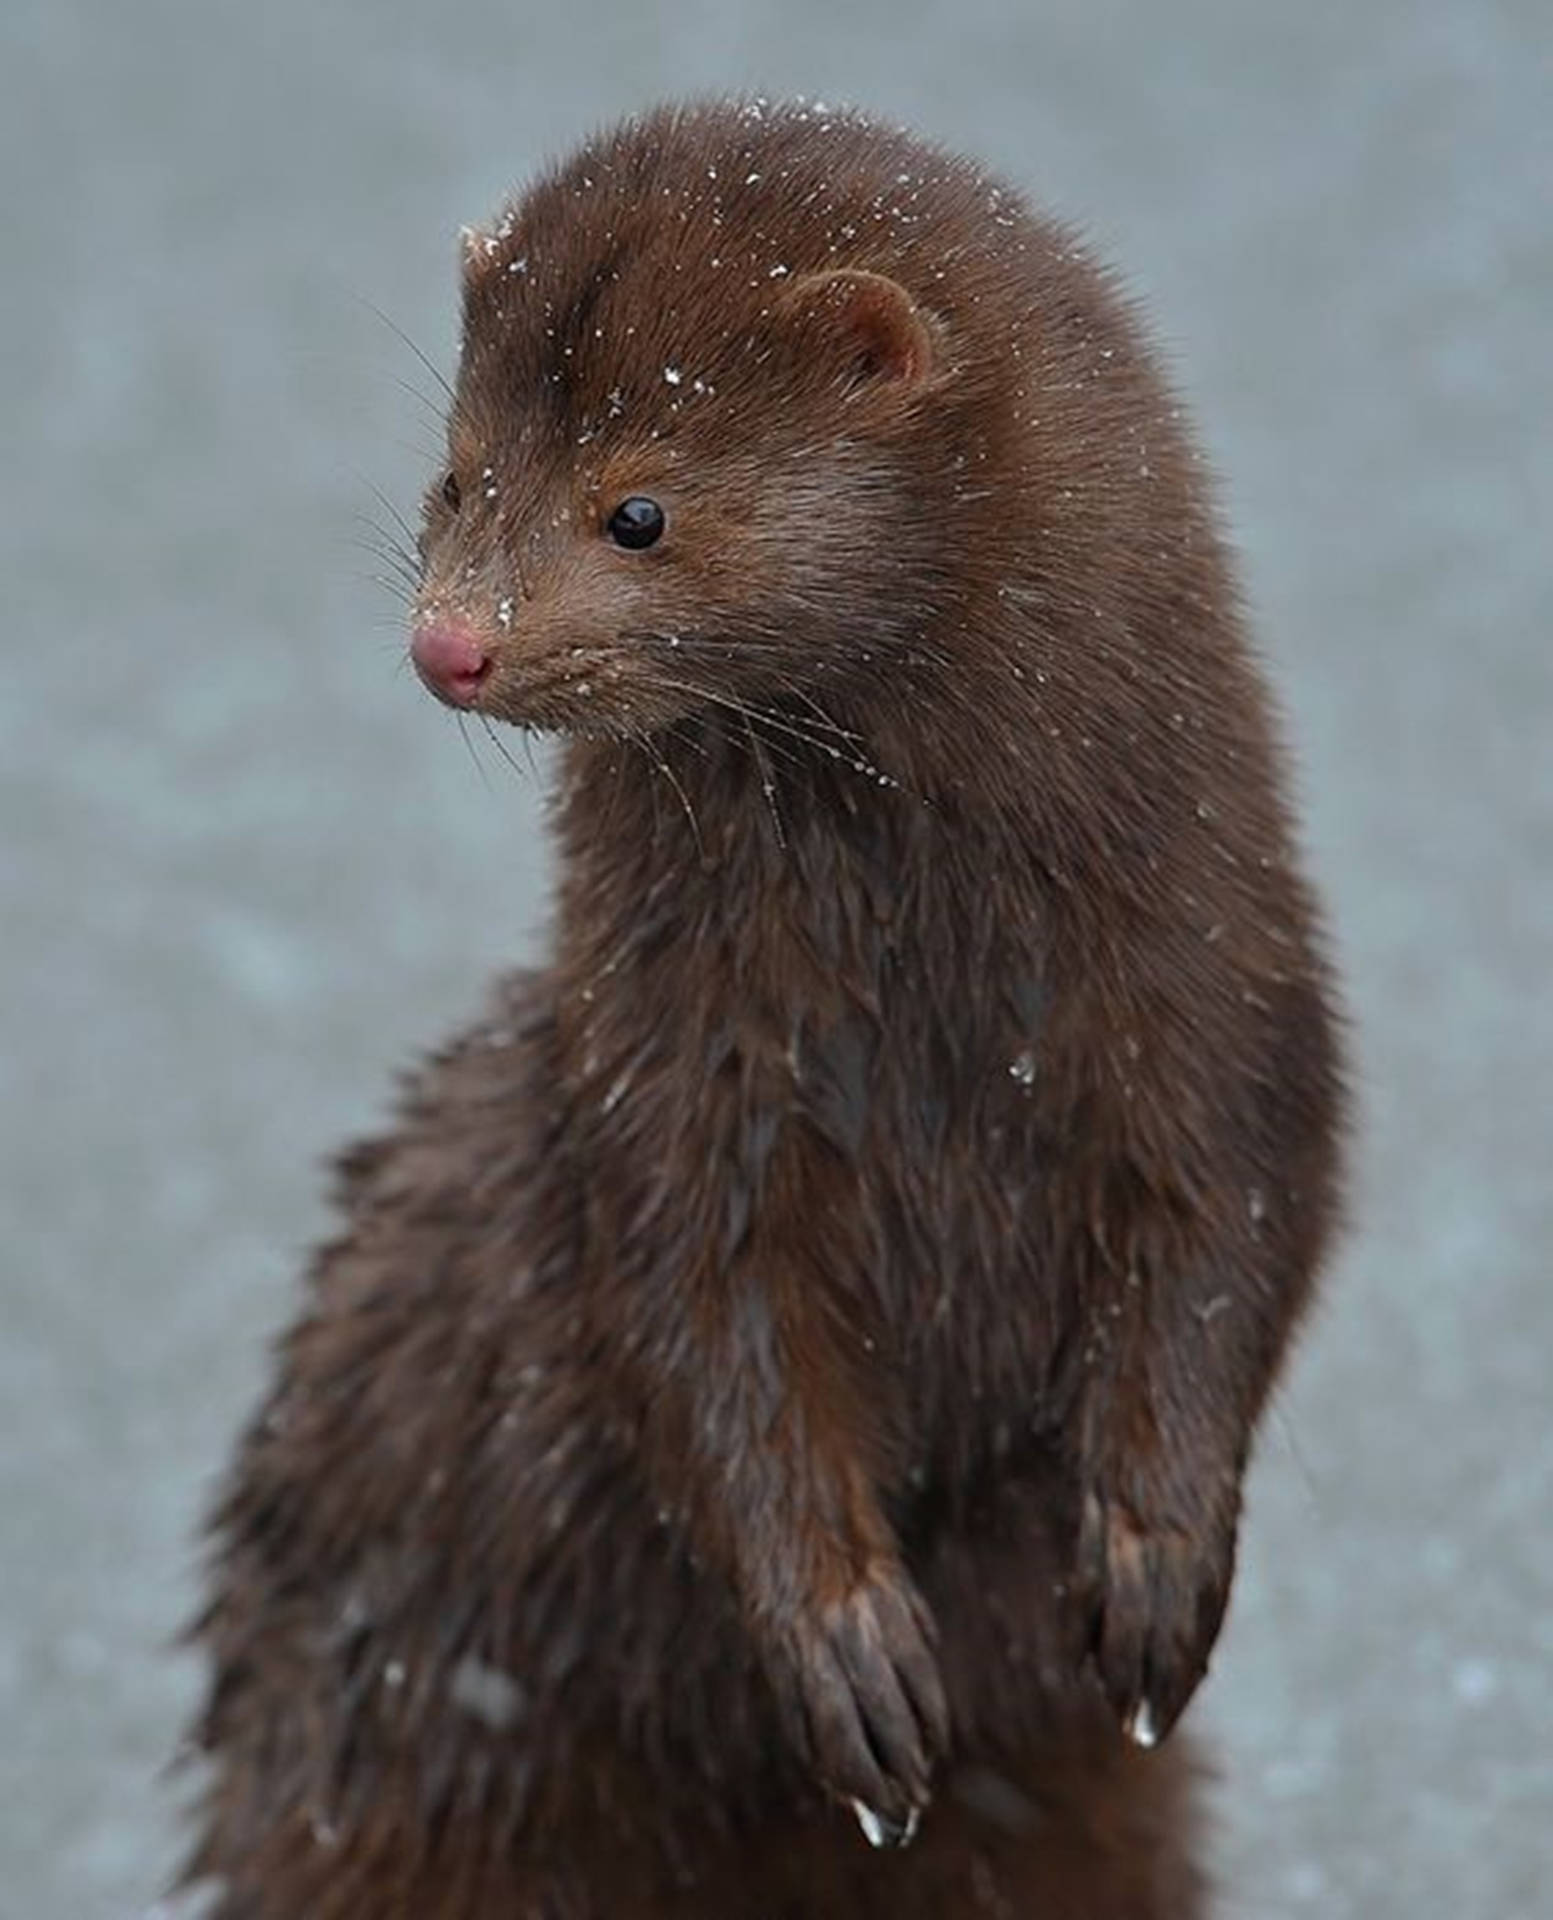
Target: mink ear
{"points": [[867, 322], [477, 249]]}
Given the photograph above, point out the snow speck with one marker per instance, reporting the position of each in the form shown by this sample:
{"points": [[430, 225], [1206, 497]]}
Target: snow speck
{"points": [[673, 375], [487, 1694], [1022, 1069], [393, 1673], [518, 266], [504, 610]]}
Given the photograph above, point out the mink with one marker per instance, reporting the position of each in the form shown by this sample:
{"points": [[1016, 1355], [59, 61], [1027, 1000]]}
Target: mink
{"points": [[785, 1379]]}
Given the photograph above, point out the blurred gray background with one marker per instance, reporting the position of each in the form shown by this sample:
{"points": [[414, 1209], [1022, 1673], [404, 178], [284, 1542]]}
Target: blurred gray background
{"points": [[246, 868]]}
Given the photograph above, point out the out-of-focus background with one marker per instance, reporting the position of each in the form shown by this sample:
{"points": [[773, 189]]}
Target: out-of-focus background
{"points": [[247, 868]]}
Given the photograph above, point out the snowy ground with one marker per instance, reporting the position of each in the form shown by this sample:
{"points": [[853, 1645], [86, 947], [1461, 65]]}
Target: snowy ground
{"points": [[246, 868]]}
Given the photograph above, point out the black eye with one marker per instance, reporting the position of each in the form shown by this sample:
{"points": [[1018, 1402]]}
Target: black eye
{"points": [[452, 492], [636, 522]]}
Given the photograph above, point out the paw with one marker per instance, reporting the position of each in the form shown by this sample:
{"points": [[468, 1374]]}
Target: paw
{"points": [[870, 1709], [1153, 1599]]}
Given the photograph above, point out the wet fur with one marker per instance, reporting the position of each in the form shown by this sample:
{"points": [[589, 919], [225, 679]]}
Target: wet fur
{"points": [[836, 1294]]}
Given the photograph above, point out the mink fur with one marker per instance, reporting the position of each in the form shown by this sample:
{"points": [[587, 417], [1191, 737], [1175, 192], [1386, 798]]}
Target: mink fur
{"points": [[801, 1346]]}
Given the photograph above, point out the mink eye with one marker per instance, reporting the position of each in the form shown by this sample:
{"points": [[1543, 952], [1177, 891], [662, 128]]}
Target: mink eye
{"points": [[636, 522], [452, 492]]}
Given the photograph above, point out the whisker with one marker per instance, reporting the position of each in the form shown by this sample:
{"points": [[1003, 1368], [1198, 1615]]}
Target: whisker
{"points": [[393, 582], [425, 359], [652, 785], [393, 512], [500, 745], [430, 456], [469, 748], [394, 588], [655, 755], [389, 557], [825, 720], [611, 803], [767, 786], [785, 752], [850, 756], [436, 413], [390, 536]]}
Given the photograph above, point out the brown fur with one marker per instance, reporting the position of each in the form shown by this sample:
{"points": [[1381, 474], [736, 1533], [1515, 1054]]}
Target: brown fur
{"points": [[804, 1342]]}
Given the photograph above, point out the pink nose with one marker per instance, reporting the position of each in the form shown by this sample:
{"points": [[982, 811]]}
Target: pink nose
{"points": [[450, 659]]}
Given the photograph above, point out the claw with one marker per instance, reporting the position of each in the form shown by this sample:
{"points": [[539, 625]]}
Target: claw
{"points": [[880, 1832], [1154, 1598], [1142, 1729], [870, 1704]]}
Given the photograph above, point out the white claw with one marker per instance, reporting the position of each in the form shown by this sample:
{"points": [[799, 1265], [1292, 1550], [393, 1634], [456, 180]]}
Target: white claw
{"points": [[878, 1832], [1141, 1729]]}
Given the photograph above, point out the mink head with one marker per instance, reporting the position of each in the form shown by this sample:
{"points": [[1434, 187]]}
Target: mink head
{"points": [[702, 446]]}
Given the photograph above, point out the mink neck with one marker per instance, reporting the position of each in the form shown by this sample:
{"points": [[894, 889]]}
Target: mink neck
{"points": [[713, 868]]}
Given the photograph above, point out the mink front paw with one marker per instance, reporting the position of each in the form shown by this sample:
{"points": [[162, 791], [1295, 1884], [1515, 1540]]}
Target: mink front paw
{"points": [[870, 1712], [1152, 1599]]}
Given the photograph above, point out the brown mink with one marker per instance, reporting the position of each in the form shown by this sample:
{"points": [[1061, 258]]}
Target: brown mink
{"points": [[795, 1357]]}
